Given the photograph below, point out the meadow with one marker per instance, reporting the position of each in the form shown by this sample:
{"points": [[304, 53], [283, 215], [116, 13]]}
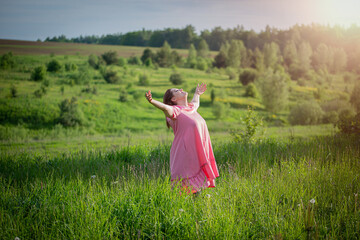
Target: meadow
{"points": [[108, 178]]}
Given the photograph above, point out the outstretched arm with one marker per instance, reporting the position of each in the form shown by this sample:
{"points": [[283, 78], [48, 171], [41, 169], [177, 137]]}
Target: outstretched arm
{"points": [[163, 107], [200, 89]]}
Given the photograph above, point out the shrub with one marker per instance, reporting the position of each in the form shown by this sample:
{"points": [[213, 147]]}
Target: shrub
{"points": [[306, 113], [123, 97], [176, 79], [252, 124], [7, 61], [144, 80], [248, 75], [81, 77], [212, 96], [13, 91], [54, 66], [231, 73], [219, 110], [148, 62], [94, 61], [331, 117], [38, 74], [122, 62], [147, 54], [70, 115], [355, 97], [110, 76], [135, 60], [349, 123], [70, 67], [110, 57], [251, 91], [201, 64]]}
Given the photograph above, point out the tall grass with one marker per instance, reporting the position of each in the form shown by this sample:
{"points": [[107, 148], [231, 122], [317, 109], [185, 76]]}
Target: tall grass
{"points": [[295, 189]]}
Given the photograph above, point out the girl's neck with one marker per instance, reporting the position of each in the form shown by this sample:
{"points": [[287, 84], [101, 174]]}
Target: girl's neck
{"points": [[182, 102]]}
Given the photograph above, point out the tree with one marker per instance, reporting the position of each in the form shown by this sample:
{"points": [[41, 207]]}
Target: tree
{"points": [[304, 56], [38, 74], [163, 56], [247, 76], [259, 60], [340, 60], [203, 49], [54, 66], [306, 113], [235, 53], [290, 54], [273, 88], [271, 55], [7, 61], [176, 79], [70, 114], [191, 59], [147, 54], [322, 57], [110, 57], [355, 97]]}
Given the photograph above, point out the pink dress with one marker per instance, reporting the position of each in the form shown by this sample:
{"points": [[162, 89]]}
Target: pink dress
{"points": [[192, 159]]}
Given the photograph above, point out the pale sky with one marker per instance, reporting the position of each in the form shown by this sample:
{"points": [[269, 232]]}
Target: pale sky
{"points": [[38, 19]]}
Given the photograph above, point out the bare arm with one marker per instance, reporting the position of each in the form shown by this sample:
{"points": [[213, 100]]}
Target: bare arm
{"points": [[163, 107], [200, 89]]}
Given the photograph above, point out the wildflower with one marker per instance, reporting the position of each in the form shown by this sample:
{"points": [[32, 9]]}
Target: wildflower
{"points": [[17, 238], [208, 195], [116, 182], [181, 210], [312, 201], [93, 176]]}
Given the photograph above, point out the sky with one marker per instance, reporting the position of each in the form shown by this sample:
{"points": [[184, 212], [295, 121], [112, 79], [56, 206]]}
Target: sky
{"points": [[38, 19]]}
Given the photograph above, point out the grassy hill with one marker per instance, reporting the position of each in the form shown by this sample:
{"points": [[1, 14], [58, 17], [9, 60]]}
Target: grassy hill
{"points": [[30, 120]]}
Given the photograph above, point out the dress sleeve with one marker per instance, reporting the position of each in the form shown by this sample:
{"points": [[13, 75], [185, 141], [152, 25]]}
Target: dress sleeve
{"points": [[176, 111]]}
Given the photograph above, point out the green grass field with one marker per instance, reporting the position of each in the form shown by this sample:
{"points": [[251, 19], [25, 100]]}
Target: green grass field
{"points": [[109, 178]]}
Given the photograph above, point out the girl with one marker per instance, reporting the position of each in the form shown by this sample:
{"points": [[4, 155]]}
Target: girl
{"points": [[192, 161]]}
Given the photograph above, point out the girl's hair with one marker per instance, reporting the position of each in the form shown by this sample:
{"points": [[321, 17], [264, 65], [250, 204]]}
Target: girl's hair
{"points": [[167, 100]]}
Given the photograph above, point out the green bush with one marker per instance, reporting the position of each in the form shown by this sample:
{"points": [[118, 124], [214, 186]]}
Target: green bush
{"points": [[110, 57], [306, 113], [7, 61], [38, 74], [219, 110], [135, 60], [70, 67], [248, 75], [144, 80], [349, 123], [70, 114], [95, 62], [13, 91], [123, 97], [54, 66], [148, 62], [122, 62], [80, 78], [31, 111], [251, 91], [331, 117], [201, 64], [231, 73], [176, 79], [110, 76]]}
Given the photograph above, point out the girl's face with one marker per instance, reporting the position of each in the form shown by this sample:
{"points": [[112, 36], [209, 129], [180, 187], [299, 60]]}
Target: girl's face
{"points": [[178, 94]]}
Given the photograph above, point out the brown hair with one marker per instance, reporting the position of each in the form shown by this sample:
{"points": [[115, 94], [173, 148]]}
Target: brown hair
{"points": [[167, 100]]}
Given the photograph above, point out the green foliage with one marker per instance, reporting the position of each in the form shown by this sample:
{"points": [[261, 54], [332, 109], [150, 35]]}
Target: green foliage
{"points": [[69, 67], [144, 80], [355, 97], [248, 75], [176, 79], [123, 97], [38, 74], [252, 123], [54, 66], [70, 114], [191, 59], [7, 61], [220, 60], [163, 56], [135, 60], [306, 113], [147, 54], [110, 76], [95, 61], [273, 87], [203, 49], [201, 64], [349, 123], [110, 57], [251, 91], [39, 93], [231, 73], [13, 91], [122, 62], [219, 110], [148, 63], [33, 112], [212, 96], [81, 77]]}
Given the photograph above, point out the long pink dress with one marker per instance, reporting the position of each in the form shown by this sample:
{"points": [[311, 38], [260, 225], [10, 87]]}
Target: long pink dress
{"points": [[192, 160]]}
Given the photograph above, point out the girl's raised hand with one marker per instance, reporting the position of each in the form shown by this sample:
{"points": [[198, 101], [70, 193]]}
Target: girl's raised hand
{"points": [[200, 89], [148, 96]]}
